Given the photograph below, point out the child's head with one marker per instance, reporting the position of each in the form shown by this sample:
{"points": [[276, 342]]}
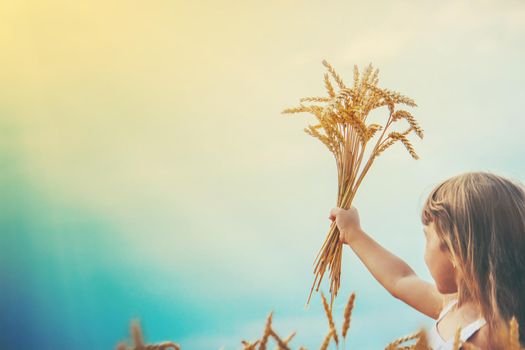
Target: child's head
{"points": [[475, 228]]}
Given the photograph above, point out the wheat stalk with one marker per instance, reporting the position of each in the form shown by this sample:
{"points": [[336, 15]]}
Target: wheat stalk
{"points": [[326, 340], [341, 126], [456, 344], [348, 314], [249, 346], [394, 345], [282, 344], [422, 341], [267, 332], [331, 323], [514, 334], [138, 341]]}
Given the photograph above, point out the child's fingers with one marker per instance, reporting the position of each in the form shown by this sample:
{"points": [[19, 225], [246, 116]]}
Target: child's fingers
{"points": [[341, 237], [333, 213]]}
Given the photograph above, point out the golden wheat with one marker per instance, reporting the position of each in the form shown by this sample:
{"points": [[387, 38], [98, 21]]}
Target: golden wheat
{"points": [[342, 128], [422, 341], [514, 334], [399, 341], [348, 314], [281, 344], [328, 312], [326, 340], [249, 346], [507, 337], [457, 335], [289, 338], [267, 331], [138, 341]]}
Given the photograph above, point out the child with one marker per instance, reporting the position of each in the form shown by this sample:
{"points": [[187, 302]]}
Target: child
{"points": [[474, 225]]}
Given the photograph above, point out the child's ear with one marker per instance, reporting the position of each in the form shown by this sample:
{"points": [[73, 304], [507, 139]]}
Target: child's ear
{"points": [[444, 247]]}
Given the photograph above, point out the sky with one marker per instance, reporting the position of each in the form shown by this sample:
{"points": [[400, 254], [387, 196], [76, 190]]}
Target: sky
{"points": [[147, 171]]}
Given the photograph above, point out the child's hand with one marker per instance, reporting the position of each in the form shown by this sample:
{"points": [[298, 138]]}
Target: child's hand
{"points": [[347, 220]]}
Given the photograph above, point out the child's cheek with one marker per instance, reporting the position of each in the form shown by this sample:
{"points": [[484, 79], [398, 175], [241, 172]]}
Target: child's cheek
{"points": [[426, 254]]}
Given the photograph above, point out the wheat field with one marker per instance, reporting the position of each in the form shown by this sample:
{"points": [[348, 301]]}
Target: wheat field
{"points": [[507, 338]]}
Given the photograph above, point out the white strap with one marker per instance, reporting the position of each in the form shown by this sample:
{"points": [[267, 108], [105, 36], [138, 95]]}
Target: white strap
{"points": [[446, 309], [472, 328]]}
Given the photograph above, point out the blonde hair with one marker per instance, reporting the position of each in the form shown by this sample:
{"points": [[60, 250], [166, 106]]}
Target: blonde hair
{"points": [[480, 218]]}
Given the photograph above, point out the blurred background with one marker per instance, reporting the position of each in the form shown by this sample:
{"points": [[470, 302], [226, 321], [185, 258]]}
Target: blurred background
{"points": [[147, 171]]}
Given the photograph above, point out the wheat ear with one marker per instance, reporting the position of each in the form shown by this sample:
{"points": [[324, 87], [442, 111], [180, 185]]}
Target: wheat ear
{"points": [[348, 314], [330, 317], [267, 331], [326, 340], [514, 335], [456, 338]]}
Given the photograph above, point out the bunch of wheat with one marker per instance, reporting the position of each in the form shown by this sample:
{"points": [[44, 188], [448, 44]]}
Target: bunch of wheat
{"points": [[343, 130]]}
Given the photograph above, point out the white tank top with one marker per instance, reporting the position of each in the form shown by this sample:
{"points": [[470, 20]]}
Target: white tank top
{"points": [[435, 340]]}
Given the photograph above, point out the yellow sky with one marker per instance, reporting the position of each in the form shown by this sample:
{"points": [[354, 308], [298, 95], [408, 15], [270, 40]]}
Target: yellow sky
{"points": [[118, 103]]}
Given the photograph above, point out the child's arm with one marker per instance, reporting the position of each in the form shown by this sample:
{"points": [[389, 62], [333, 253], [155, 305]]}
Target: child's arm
{"points": [[389, 270]]}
